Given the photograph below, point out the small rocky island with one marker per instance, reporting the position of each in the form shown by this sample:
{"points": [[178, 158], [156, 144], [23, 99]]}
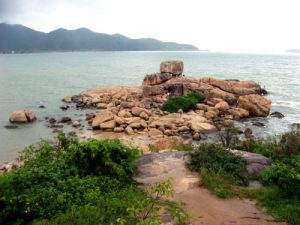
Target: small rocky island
{"points": [[136, 110]]}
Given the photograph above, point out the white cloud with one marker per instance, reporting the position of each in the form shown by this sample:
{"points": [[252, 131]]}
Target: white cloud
{"points": [[218, 25]]}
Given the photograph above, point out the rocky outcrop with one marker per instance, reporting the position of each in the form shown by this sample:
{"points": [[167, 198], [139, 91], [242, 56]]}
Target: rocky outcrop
{"points": [[256, 105], [22, 116], [137, 110]]}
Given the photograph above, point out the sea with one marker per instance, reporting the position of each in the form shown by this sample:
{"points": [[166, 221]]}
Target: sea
{"points": [[32, 80]]}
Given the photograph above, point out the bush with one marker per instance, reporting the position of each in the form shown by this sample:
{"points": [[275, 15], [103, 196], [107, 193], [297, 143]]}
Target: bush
{"points": [[279, 148], [182, 102], [286, 176], [290, 142], [56, 178], [216, 159]]}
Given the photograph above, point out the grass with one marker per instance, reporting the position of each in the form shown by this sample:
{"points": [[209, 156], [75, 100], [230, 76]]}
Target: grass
{"points": [[185, 148], [218, 183]]}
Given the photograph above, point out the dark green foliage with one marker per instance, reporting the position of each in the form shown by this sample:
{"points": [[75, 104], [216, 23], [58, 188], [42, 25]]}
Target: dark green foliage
{"points": [[215, 158], [286, 176], [106, 208], [195, 97], [278, 148], [56, 178], [185, 103], [185, 148], [290, 142]]}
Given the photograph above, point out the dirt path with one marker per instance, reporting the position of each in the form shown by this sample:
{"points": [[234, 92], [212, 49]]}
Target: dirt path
{"points": [[206, 208]]}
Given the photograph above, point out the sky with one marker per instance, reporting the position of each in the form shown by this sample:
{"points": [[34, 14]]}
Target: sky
{"points": [[247, 26]]}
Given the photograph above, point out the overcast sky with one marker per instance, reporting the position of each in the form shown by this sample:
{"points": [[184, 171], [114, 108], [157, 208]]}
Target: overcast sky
{"points": [[265, 26]]}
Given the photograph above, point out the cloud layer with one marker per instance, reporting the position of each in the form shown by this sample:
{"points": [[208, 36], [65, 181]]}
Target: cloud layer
{"points": [[218, 25]]}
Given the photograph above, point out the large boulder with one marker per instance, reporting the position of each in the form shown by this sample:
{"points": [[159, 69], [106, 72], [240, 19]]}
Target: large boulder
{"points": [[102, 117], [108, 125], [256, 105], [238, 113], [150, 90], [234, 86], [226, 96], [157, 78], [172, 67], [22, 116], [256, 163]]}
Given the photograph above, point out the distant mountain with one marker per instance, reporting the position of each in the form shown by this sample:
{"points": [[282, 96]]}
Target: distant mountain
{"points": [[293, 50], [19, 38]]}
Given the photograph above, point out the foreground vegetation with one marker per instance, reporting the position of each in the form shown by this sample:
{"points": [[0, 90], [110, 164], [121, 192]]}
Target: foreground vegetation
{"points": [[225, 174], [185, 103], [74, 182]]}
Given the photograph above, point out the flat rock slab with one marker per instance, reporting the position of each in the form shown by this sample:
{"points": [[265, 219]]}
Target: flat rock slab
{"points": [[156, 167]]}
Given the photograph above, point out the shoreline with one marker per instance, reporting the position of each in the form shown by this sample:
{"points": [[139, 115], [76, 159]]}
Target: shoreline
{"points": [[154, 90]]}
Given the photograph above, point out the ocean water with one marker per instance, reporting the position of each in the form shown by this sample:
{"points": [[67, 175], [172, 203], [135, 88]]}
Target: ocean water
{"points": [[29, 80]]}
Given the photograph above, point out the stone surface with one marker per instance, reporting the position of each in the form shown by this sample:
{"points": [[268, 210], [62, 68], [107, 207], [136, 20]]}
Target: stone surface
{"points": [[167, 142], [76, 123], [277, 115], [22, 116], [256, 105], [65, 119], [238, 113], [172, 67], [108, 125], [157, 78], [67, 99], [129, 130], [118, 129], [155, 132], [101, 105], [256, 163], [149, 90], [222, 106], [102, 117]]}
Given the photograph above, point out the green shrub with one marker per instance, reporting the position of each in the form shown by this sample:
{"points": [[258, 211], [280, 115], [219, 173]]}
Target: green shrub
{"points": [[268, 148], [215, 158], [56, 178], [285, 176], [277, 148], [185, 148], [290, 142], [195, 97], [182, 102]]}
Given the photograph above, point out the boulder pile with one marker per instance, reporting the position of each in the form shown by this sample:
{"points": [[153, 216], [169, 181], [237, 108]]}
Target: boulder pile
{"points": [[137, 110]]}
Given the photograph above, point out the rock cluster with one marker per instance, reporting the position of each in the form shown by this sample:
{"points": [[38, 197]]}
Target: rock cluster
{"points": [[138, 109]]}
